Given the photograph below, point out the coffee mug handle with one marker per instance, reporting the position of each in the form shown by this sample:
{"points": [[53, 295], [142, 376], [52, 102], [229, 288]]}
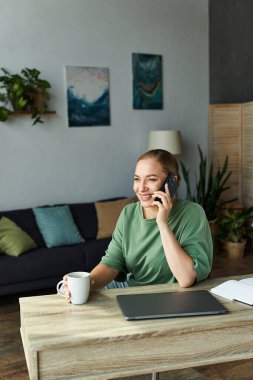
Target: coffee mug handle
{"points": [[59, 287]]}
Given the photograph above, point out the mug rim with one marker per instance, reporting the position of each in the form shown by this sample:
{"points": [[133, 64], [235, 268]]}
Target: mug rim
{"points": [[78, 274]]}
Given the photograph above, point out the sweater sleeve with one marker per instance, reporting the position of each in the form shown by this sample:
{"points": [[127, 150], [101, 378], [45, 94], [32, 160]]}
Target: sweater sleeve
{"points": [[114, 257], [196, 240]]}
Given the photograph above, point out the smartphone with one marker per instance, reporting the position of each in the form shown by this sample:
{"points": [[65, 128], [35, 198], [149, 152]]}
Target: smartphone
{"points": [[172, 184]]}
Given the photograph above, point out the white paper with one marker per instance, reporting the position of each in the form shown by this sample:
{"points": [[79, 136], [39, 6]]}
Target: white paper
{"points": [[247, 281], [241, 291]]}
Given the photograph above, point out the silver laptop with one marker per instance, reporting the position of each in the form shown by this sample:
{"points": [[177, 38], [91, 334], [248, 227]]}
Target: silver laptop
{"points": [[169, 304]]}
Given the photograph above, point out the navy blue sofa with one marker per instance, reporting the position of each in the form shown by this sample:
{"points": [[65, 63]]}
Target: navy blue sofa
{"points": [[43, 267]]}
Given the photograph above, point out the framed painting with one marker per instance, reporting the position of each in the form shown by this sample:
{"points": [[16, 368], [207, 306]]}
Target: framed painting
{"points": [[147, 81], [88, 96]]}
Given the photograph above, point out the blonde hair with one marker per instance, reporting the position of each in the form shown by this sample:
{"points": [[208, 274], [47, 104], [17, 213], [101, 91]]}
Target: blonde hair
{"points": [[166, 159]]}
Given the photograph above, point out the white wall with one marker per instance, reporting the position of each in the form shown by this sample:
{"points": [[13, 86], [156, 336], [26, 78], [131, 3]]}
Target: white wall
{"points": [[52, 163]]}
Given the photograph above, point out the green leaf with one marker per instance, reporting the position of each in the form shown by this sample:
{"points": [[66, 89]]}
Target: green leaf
{"points": [[187, 180], [4, 113], [209, 186]]}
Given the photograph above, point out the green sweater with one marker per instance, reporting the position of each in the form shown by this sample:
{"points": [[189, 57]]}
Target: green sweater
{"points": [[136, 245]]}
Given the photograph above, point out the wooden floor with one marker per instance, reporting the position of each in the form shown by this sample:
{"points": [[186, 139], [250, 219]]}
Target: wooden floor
{"points": [[12, 359]]}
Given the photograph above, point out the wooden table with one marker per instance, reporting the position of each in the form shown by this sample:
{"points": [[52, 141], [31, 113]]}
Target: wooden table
{"points": [[94, 341]]}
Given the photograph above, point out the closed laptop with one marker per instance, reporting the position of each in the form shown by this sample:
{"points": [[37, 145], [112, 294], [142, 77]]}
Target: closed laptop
{"points": [[169, 304]]}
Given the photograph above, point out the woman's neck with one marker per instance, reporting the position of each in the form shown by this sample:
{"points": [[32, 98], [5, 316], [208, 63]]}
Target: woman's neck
{"points": [[151, 212]]}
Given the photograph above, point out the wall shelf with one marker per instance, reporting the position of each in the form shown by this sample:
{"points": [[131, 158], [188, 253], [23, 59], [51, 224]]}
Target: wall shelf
{"points": [[17, 113]]}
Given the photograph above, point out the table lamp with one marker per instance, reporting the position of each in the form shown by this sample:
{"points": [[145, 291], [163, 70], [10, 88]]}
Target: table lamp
{"points": [[167, 140]]}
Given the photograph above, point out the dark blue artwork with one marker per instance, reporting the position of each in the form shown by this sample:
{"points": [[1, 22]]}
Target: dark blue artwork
{"points": [[147, 81], [88, 96]]}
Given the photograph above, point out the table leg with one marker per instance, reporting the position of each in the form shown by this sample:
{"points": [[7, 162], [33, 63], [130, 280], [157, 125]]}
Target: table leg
{"points": [[154, 375]]}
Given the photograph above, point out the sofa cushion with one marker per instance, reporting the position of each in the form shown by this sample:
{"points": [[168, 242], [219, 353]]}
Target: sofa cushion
{"points": [[42, 263], [57, 226], [94, 250], [25, 219], [107, 215], [84, 215], [13, 240]]}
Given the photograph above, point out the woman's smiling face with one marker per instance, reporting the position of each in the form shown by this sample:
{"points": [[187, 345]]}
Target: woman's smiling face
{"points": [[149, 177]]}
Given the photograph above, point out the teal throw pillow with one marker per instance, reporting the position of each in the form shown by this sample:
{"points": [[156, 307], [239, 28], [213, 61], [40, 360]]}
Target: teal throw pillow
{"points": [[13, 240], [57, 226]]}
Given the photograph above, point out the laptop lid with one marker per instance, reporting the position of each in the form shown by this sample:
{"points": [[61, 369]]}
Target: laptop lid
{"points": [[169, 304]]}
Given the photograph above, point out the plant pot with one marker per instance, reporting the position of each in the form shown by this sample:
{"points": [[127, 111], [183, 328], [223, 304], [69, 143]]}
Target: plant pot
{"points": [[235, 250], [38, 99], [213, 224]]}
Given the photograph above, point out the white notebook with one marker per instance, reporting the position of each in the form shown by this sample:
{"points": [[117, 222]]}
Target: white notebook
{"points": [[241, 290]]}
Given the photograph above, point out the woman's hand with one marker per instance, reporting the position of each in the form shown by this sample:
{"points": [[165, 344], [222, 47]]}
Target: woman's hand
{"points": [[164, 207], [67, 294], [100, 276]]}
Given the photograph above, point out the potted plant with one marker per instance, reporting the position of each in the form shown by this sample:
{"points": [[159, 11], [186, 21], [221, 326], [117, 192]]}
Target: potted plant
{"points": [[234, 225], [25, 92], [209, 186]]}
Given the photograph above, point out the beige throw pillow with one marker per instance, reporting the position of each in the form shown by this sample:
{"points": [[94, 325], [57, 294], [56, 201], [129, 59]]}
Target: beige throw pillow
{"points": [[107, 215]]}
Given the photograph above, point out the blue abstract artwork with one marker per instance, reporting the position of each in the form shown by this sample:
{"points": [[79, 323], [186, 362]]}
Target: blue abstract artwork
{"points": [[88, 96], [147, 81]]}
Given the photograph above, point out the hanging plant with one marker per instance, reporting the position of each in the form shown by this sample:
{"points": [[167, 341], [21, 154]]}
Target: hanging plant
{"points": [[23, 92]]}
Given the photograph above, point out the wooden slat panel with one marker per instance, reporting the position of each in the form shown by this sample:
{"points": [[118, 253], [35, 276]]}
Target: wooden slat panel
{"points": [[225, 140], [247, 156]]}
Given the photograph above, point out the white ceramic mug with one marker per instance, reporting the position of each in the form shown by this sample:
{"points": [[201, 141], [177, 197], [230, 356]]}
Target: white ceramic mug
{"points": [[79, 287]]}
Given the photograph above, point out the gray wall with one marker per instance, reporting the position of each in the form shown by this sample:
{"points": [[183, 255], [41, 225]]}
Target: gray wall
{"points": [[231, 51], [52, 163]]}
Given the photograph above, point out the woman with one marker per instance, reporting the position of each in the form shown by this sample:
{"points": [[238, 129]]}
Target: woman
{"points": [[158, 239]]}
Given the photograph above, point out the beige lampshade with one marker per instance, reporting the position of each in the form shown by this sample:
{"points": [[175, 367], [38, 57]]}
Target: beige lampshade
{"points": [[167, 140]]}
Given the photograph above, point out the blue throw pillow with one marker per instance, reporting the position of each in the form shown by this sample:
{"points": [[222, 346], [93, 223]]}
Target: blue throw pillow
{"points": [[57, 226]]}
